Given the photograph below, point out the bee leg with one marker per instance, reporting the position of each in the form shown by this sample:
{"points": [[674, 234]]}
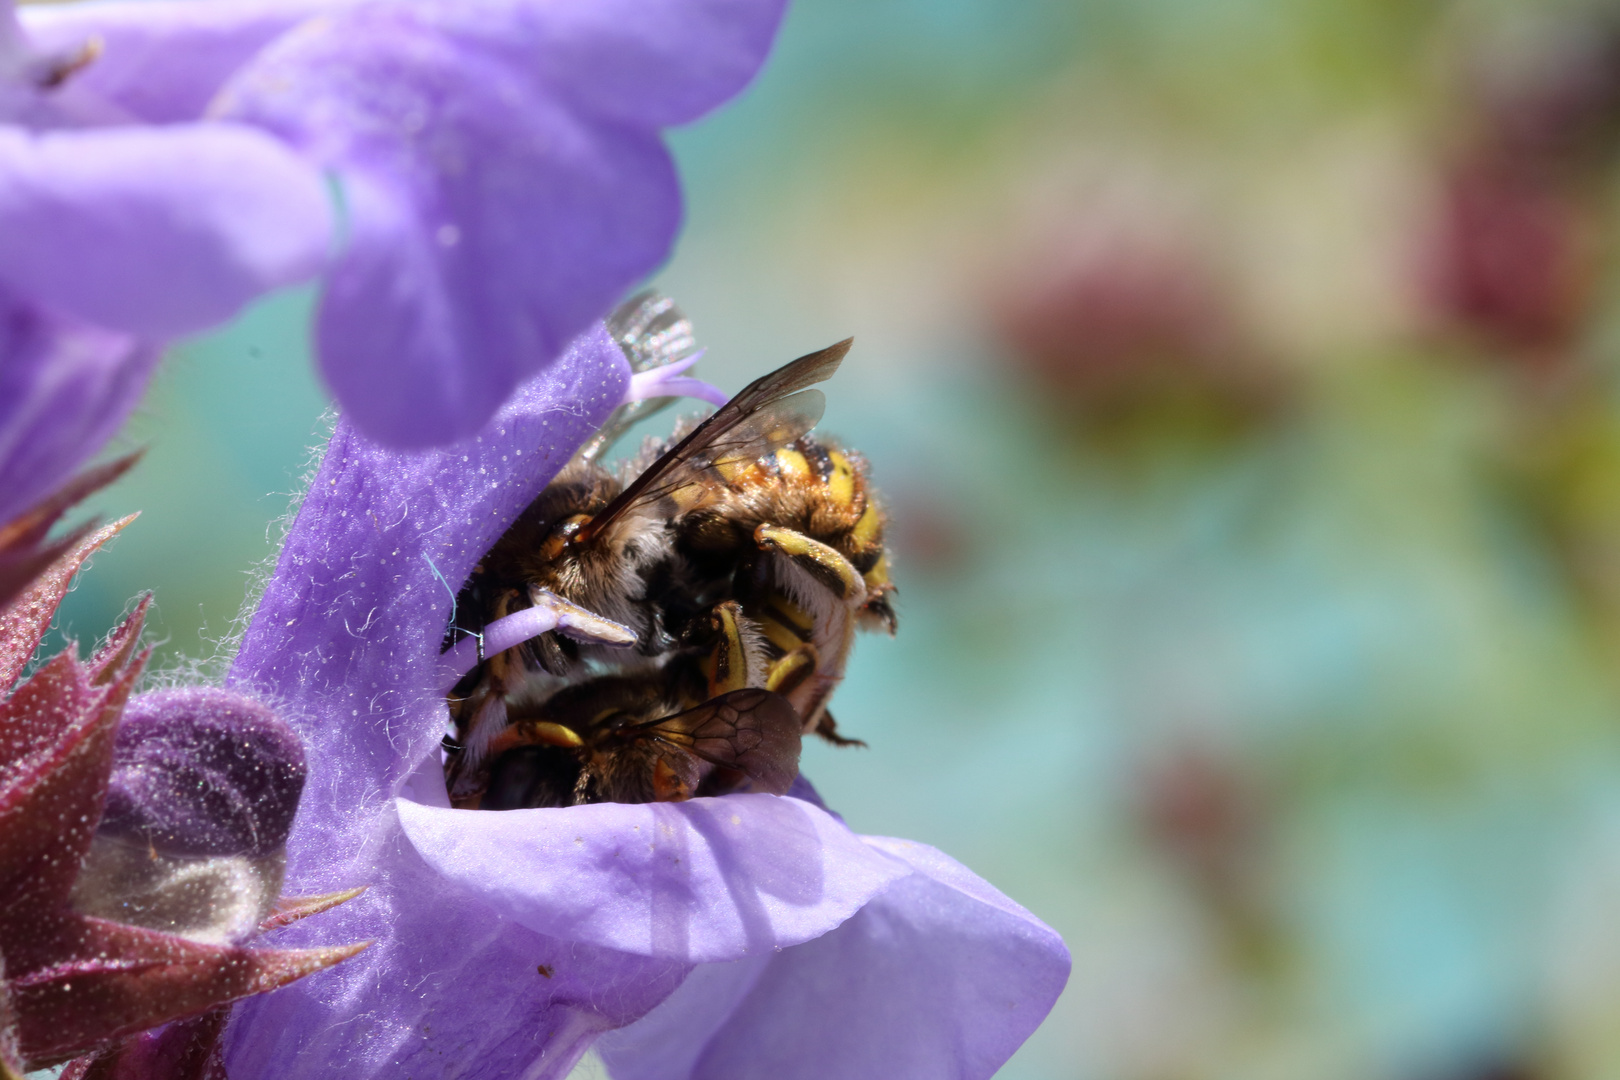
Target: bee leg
{"points": [[535, 733], [878, 614], [548, 652], [467, 769], [789, 672], [827, 728], [878, 611], [479, 717], [670, 783], [583, 786], [736, 660], [784, 624], [821, 562], [579, 623]]}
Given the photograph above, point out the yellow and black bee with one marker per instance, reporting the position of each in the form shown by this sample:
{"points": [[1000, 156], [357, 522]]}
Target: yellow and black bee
{"points": [[743, 546]]}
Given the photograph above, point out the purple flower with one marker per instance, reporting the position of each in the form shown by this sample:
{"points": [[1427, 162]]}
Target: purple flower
{"points": [[200, 802], [117, 236], [200, 771], [757, 935], [497, 166]]}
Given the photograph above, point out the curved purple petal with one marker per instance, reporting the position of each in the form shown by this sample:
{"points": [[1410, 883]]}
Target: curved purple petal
{"points": [[488, 222], [501, 164], [651, 63], [939, 977], [156, 231], [700, 881], [64, 389], [450, 990], [345, 644], [420, 339], [162, 61]]}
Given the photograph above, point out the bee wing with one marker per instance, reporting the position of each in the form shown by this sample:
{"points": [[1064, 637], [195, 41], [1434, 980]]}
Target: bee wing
{"points": [[754, 731], [768, 413]]}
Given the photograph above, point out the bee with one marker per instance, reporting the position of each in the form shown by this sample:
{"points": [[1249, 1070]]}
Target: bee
{"points": [[742, 548]]}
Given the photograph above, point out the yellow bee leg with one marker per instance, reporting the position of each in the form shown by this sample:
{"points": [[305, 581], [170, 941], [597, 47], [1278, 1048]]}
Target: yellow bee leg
{"points": [[791, 670], [728, 664], [823, 563], [534, 733], [878, 611]]}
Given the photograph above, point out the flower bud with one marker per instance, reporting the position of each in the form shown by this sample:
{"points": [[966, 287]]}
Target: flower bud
{"points": [[204, 786]]}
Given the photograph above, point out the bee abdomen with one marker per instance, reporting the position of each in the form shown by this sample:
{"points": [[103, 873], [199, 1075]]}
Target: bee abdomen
{"points": [[833, 477]]}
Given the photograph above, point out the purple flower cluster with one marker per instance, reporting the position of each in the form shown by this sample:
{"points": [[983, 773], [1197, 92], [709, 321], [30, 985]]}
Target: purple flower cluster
{"points": [[475, 182], [749, 935]]}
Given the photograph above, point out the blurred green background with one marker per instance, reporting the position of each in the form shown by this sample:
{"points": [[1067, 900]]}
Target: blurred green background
{"points": [[1242, 376]]}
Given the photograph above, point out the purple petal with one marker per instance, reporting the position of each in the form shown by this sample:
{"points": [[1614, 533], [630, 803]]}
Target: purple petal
{"points": [[651, 63], [162, 61], [11, 35], [504, 179], [156, 231], [203, 771], [346, 641], [64, 389], [940, 977], [699, 881], [420, 341], [450, 990], [488, 223]]}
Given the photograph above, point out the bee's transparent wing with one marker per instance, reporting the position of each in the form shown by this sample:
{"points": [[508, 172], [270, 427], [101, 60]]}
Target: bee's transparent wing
{"points": [[753, 731], [768, 413]]}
